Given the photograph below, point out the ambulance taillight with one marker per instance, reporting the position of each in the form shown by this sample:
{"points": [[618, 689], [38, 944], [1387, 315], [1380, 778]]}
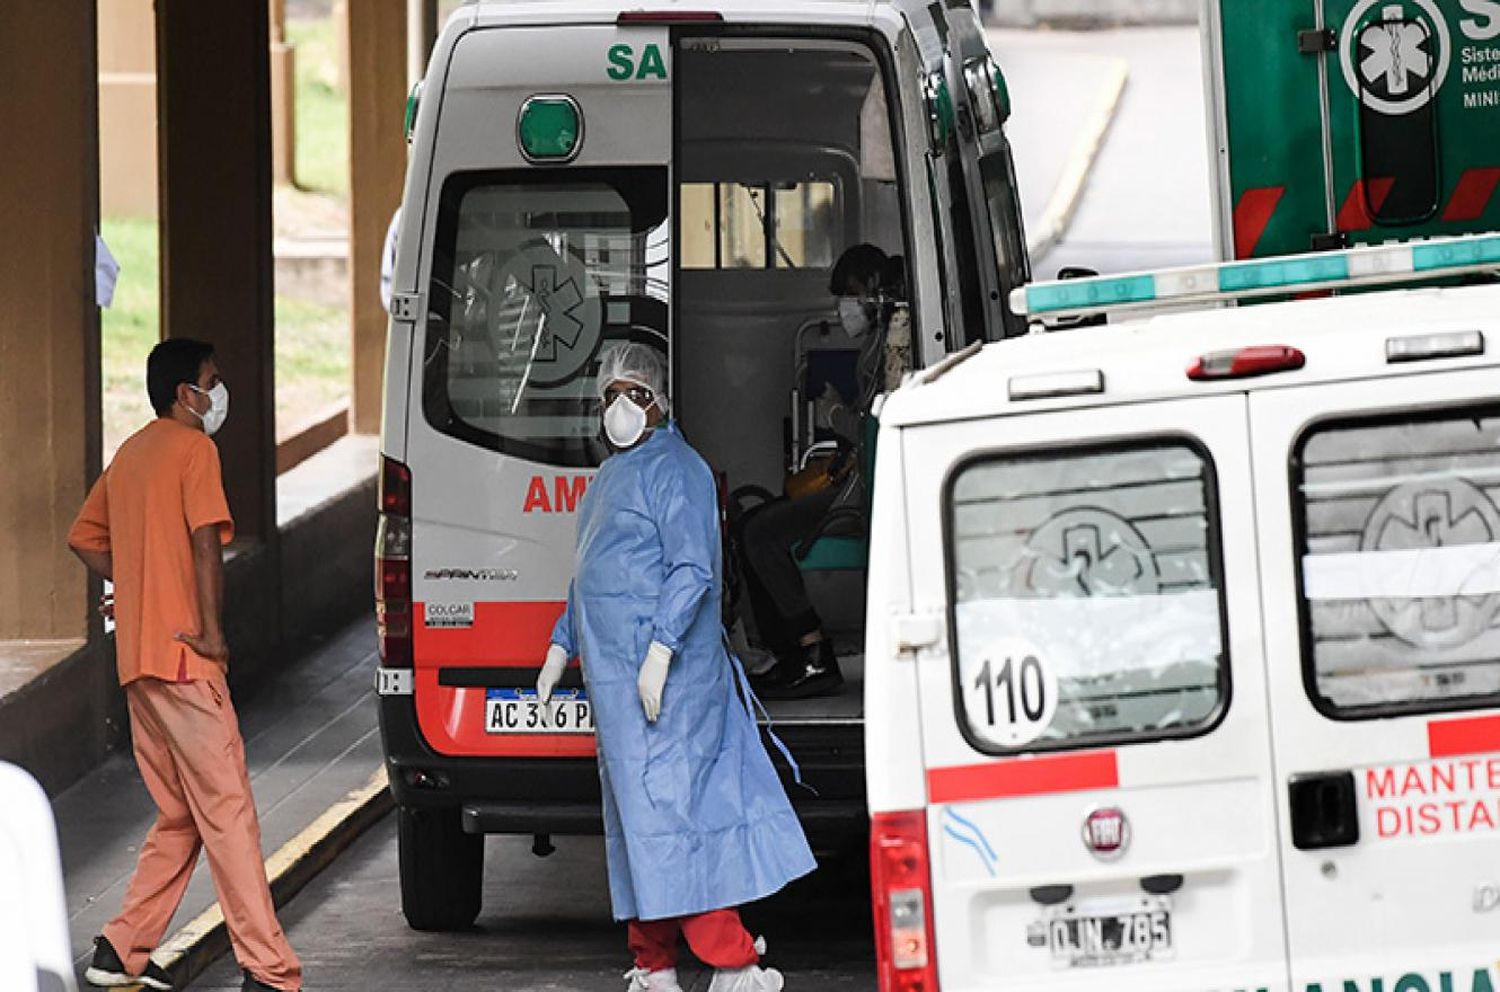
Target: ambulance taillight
{"points": [[393, 566], [901, 883]]}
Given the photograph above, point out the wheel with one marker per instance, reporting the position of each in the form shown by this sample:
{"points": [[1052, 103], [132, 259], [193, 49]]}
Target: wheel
{"points": [[442, 869]]}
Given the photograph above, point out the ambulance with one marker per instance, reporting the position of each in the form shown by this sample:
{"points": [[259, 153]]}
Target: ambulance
{"points": [[35, 951], [1182, 663], [1349, 122], [682, 174]]}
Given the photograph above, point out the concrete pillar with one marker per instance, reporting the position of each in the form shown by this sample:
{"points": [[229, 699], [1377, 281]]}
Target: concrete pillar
{"points": [[49, 334], [127, 108], [216, 266], [283, 99], [377, 168], [421, 35]]}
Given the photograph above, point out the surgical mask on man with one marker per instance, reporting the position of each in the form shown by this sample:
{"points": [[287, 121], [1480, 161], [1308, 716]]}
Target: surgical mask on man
{"points": [[218, 407], [624, 422], [853, 316]]}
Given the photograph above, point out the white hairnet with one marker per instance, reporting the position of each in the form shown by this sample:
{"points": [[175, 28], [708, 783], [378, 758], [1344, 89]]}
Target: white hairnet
{"points": [[641, 364]]}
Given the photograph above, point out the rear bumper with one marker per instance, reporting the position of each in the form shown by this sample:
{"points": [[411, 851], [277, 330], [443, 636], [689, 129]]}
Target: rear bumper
{"points": [[561, 795]]}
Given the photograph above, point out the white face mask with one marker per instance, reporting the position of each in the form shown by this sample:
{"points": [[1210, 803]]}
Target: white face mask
{"points": [[853, 316], [218, 407], [624, 422]]}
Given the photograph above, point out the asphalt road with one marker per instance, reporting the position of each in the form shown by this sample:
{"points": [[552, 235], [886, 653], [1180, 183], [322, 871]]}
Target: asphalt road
{"points": [[545, 927]]}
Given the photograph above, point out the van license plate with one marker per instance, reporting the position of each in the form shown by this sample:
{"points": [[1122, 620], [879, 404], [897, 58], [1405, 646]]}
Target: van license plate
{"points": [[516, 711], [1112, 933]]}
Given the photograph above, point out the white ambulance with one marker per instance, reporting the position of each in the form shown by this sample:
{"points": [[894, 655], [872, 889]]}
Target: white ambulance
{"points": [[1183, 659], [34, 946], [685, 175]]}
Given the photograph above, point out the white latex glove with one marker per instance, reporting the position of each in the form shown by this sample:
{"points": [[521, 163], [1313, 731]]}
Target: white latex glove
{"points": [[551, 673], [653, 679]]}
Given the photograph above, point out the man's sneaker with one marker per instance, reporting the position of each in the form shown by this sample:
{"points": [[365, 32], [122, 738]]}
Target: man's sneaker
{"points": [[642, 980], [253, 984], [108, 971], [812, 671]]}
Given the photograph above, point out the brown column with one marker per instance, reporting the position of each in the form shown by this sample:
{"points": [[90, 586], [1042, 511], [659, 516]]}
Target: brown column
{"points": [[421, 35], [377, 167], [283, 99], [216, 268], [49, 325]]}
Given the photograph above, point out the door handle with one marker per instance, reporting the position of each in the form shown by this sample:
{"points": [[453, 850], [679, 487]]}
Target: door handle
{"points": [[1324, 810]]}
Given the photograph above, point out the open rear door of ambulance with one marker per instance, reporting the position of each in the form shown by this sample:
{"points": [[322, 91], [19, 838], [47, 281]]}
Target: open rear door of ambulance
{"points": [[1094, 730], [1381, 531], [548, 213]]}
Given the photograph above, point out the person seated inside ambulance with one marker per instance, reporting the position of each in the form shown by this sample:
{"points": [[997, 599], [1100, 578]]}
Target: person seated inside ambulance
{"points": [[870, 288]]}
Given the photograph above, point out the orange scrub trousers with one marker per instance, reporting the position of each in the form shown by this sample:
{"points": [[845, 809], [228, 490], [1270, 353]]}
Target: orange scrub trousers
{"points": [[163, 484]]}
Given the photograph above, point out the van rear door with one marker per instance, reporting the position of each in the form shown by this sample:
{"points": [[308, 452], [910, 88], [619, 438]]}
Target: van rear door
{"points": [[1100, 809], [546, 234], [1381, 533]]}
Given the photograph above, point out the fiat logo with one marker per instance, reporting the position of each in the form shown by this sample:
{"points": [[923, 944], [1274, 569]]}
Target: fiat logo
{"points": [[1106, 833]]}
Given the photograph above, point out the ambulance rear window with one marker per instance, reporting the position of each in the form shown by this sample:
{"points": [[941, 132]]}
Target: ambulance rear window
{"points": [[1398, 534], [1087, 596], [533, 273]]}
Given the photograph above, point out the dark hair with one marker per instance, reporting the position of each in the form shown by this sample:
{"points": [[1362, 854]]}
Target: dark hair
{"points": [[171, 363], [863, 263]]}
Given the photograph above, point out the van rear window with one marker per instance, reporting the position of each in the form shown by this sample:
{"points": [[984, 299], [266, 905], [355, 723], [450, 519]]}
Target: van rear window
{"points": [[532, 273], [1399, 546], [1087, 603]]}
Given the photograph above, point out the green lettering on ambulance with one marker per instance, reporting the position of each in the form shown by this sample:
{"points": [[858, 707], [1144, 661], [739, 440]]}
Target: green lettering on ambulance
{"points": [[1412, 983], [1481, 981], [651, 64], [621, 64]]}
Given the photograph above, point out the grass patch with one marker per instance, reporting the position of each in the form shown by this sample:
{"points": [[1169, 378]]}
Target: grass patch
{"points": [[312, 343], [322, 110], [130, 328]]}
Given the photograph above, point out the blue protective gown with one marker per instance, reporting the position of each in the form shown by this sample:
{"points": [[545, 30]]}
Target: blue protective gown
{"points": [[695, 818]]}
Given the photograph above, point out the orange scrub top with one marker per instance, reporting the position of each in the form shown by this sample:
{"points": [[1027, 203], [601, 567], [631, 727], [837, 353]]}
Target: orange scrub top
{"points": [[163, 484]]}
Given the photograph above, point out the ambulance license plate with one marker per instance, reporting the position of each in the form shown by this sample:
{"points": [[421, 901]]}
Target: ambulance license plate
{"points": [[1110, 933], [516, 711]]}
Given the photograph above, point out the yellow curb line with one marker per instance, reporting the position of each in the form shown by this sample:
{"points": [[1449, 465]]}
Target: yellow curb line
{"points": [[1067, 194], [188, 952]]}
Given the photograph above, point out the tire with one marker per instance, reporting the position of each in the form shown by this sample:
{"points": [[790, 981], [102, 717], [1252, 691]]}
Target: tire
{"points": [[442, 869]]}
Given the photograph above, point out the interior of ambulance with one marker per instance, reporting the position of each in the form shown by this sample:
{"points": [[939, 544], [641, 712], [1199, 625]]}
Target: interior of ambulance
{"points": [[784, 158]]}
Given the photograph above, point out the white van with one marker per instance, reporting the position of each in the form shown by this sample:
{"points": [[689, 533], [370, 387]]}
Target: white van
{"points": [[1183, 659], [683, 175]]}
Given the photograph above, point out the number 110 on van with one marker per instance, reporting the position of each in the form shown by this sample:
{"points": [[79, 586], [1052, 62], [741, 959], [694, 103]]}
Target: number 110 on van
{"points": [[1012, 697]]}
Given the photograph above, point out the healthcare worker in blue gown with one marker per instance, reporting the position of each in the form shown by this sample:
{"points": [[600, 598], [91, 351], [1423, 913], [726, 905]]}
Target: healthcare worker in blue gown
{"points": [[696, 821]]}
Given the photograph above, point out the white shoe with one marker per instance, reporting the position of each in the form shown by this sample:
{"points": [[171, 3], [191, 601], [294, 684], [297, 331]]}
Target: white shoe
{"points": [[751, 978], [642, 980]]}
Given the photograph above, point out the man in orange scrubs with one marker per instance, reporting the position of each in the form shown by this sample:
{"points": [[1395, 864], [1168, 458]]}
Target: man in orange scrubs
{"points": [[155, 523]]}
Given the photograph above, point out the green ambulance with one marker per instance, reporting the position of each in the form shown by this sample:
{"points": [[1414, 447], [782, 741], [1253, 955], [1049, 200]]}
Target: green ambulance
{"points": [[1347, 122]]}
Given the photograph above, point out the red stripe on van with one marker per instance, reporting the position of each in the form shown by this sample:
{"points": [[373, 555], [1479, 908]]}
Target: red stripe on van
{"points": [[1251, 216], [1475, 735], [1354, 215], [1472, 194], [1024, 777], [503, 634]]}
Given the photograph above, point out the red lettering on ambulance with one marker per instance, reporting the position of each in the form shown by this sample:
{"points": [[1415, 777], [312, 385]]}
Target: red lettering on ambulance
{"points": [[1381, 787], [536, 496], [1412, 782], [1431, 822], [1387, 821], [1493, 769], [569, 492], [1481, 812]]}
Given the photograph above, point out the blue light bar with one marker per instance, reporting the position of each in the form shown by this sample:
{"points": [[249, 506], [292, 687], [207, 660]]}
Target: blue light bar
{"points": [[1368, 266]]}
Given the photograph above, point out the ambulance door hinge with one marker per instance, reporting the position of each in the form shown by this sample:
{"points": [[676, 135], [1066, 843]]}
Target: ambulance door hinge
{"points": [[1331, 242], [405, 306], [916, 631], [1315, 41]]}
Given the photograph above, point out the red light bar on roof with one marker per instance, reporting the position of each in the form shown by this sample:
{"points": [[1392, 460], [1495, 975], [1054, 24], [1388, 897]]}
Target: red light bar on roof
{"points": [[1245, 363], [668, 17]]}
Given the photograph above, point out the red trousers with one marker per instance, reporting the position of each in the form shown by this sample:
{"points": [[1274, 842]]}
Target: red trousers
{"points": [[718, 938]]}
